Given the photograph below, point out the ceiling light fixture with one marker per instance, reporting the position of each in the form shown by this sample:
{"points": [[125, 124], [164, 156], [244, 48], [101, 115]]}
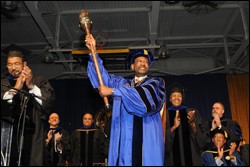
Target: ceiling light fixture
{"points": [[48, 57], [163, 52]]}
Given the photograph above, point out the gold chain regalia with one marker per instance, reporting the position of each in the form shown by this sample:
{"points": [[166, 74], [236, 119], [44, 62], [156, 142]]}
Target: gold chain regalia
{"points": [[101, 119]]}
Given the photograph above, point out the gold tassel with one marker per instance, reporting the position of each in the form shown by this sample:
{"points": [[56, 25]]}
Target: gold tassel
{"points": [[225, 133]]}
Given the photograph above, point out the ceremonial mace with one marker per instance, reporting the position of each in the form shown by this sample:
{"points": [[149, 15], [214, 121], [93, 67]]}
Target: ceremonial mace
{"points": [[103, 116], [85, 24]]}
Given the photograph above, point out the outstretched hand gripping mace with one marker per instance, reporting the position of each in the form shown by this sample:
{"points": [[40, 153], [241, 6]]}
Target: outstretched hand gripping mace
{"points": [[85, 24], [103, 116]]}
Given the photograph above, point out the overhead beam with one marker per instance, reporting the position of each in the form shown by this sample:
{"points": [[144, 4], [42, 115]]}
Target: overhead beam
{"points": [[153, 21], [110, 10], [244, 22], [62, 21], [136, 9], [180, 7], [187, 45], [169, 46], [32, 7], [239, 52], [105, 51], [138, 39]]}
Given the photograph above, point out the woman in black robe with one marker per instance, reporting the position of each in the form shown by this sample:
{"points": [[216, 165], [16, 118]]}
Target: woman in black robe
{"points": [[181, 121]]}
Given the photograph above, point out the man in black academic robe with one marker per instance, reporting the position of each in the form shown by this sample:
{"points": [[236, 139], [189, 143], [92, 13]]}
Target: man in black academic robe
{"points": [[58, 149], [218, 120], [96, 147], [37, 109]]}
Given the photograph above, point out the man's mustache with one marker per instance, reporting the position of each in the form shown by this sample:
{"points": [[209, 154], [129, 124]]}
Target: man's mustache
{"points": [[15, 72]]}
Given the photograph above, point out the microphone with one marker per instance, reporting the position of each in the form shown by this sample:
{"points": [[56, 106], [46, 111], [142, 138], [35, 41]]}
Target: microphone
{"points": [[23, 92]]}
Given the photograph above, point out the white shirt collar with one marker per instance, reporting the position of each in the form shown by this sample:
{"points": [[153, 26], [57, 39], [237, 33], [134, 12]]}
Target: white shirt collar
{"points": [[140, 78]]}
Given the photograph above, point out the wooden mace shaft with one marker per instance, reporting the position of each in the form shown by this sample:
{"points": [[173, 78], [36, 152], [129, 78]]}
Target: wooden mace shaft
{"points": [[98, 71]]}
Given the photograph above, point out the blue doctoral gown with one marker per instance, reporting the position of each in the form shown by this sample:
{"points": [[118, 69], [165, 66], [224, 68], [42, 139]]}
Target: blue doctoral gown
{"points": [[145, 101], [208, 158]]}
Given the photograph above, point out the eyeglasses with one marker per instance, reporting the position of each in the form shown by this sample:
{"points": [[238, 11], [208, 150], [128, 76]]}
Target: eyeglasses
{"points": [[16, 64], [87, 119]]}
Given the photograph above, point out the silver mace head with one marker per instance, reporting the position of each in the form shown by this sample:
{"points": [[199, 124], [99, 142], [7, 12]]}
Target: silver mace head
{"points": [[84, 21]]}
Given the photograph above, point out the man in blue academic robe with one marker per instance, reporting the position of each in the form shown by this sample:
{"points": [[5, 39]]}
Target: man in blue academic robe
{"points": [[219, 153], [136, 128]]}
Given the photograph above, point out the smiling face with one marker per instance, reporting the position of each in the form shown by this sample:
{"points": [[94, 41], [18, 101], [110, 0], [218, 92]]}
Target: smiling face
{"points": [[219, 140], [140, 66], [87, 120], [54, 120], [176, 99], [15, 66]]}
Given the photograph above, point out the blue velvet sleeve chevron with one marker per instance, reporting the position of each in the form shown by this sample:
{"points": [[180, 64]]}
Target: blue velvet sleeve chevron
{"points": [[146, 99]]}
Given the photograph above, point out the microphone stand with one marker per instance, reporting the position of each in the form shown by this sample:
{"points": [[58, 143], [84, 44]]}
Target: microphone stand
{"points": [[21, 140], [27, 96]]}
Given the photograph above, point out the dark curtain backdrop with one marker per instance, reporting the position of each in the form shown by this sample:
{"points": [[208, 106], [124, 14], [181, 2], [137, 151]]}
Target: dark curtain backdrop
{"points": [[201, 91], [74, 97]]}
